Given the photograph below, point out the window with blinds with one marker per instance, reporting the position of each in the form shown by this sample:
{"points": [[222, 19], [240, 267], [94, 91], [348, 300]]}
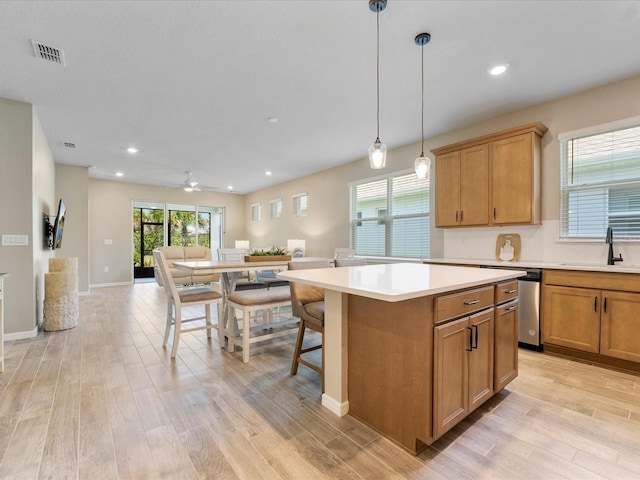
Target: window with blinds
{"points": [[600, 184], [389, 217], [256, 212], [300, 205], [276, 208]]}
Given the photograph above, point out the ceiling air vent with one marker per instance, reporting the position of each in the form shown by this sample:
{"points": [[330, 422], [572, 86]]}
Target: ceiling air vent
{"points": [[69, 144], [47, 52]]}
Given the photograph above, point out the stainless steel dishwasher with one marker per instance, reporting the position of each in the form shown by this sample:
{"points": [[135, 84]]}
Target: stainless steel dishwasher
{"points": [[529, 306]]}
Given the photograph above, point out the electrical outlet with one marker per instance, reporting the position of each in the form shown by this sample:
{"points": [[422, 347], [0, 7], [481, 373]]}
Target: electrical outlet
{"points": [[106, 269]]}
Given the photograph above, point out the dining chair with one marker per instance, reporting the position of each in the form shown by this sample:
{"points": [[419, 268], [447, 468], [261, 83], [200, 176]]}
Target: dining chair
{"points": [[350, 262], [344, 253], [179, 299], [270, 279], [244, 278], [307, 303]]}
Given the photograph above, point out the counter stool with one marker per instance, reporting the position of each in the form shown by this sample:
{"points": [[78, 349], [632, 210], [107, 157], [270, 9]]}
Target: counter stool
{"points": [[307, 303], [248, 301]]}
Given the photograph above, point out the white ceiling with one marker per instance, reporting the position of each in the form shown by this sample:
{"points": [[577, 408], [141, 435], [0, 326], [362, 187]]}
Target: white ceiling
{"points": [[191, 84]]}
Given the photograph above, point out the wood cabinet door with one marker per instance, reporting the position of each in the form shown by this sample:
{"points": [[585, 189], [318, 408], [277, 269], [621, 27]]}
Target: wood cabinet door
{"points": [[474, 185], [506, 347], [571, 317], [481, 359], [451, 366], [620, 334], [512, 178], [448, 189]]}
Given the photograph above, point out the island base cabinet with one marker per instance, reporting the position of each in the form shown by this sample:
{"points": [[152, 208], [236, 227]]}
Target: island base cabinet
{"points": [[620, 334], [389, 369], [463, 368], [506, 345]]}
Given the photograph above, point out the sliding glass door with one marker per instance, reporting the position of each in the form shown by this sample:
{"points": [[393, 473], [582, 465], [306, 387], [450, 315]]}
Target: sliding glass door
{"points": [[159, 224], [148, 233]]}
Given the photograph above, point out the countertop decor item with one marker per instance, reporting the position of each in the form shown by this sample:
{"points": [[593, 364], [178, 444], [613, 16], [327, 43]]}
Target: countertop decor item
{"points": [[271, 255], [508, 247]]}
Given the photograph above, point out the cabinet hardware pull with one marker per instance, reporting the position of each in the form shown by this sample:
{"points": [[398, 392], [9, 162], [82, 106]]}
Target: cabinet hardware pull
{"points": [[510, 309], [461, 216], [510, 291], [470, 340], [605, 305], [472, 302], [494, 213], [475, 327], [595, 304]]}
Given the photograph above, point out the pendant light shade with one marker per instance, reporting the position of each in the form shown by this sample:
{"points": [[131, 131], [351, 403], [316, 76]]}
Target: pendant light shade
{"points": [[377, 150], [377, 154], [422, 163], [422, 166]]}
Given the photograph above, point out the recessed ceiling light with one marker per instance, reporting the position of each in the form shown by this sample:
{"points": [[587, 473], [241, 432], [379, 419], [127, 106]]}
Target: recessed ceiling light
{"points": [[119, 174], [230, 187], [268, 172], [272, 119], [498, 69], [132, 150]]}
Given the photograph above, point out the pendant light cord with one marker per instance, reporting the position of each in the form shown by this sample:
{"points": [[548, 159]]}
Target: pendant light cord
{"points": [[422, 100], [378, 73]]}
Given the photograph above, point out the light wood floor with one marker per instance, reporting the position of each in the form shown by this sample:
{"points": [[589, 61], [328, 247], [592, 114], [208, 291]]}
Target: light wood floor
{"points": [[103, 400]]}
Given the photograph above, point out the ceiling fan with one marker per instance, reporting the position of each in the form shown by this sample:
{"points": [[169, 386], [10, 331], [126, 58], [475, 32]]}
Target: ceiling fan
{"points": [[190, 185]]}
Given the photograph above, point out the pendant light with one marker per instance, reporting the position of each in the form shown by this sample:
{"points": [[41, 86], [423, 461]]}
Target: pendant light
{"points": [[377, 150], [422, 163]]}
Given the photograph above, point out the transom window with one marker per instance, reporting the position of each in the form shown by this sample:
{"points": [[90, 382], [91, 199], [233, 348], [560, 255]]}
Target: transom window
{"points": [[600, 183], [390, 216], [256, 212], [300, 205], [276, 208]]}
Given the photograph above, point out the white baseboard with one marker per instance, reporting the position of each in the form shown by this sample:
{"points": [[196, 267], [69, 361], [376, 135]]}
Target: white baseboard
{"points": [[340, 409], [115, 284], [21, 335]]}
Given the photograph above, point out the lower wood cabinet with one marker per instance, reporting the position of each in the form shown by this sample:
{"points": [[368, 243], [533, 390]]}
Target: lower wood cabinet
{"points": [[599, 321], [572, 318], [505, 363], [620, 328], [463, 368]]}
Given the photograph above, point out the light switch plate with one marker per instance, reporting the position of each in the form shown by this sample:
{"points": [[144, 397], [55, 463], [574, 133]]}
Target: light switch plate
{"points": [[15, 240]]}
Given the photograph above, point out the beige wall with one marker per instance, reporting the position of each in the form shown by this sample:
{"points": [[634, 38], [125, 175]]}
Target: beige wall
{"points": [[110, 218], [26, 194], [72, 185], [327, 226]]}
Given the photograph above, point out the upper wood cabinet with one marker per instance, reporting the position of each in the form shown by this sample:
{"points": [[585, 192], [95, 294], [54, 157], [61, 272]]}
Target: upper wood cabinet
{"points": [[490, 180], [463, 187]]}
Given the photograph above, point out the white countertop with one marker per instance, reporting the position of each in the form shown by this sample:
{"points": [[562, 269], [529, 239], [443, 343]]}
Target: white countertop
{"points": [[591, 267], [395, 282]]}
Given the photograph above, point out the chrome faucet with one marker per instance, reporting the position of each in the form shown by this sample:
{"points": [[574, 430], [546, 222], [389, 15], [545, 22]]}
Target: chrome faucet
{"points": [[611, 260]]}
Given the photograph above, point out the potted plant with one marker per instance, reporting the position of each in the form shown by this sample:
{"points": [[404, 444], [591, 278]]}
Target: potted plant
{"points": [[273, 254]]}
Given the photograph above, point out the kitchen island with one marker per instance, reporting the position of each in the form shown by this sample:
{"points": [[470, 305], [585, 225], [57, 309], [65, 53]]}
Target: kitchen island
{"points": [[393, 331]]}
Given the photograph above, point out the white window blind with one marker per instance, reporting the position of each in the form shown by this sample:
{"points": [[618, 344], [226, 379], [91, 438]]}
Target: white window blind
{"points": [[389, 217], [300, 205], [256, 212], [600, 185], [276, 208]]}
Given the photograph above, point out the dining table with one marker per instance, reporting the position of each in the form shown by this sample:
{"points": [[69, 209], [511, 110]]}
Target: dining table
{"points": [[230, 270]]}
